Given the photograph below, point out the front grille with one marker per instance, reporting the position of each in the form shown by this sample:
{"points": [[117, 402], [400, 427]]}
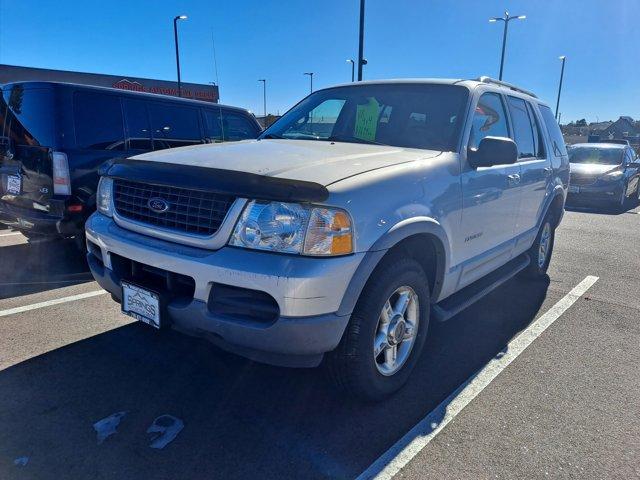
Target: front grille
{"points": [[581, 180], [189, 211]]}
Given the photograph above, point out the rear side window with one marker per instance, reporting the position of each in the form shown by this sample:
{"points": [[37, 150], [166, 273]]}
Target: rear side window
{"points": [[138, 127], [557, 142], [28, 116], [489, 119], [98, 121], [522, 128], [174, 126]]}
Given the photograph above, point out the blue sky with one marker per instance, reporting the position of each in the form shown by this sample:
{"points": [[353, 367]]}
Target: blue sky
{"points": [[279, 40]]}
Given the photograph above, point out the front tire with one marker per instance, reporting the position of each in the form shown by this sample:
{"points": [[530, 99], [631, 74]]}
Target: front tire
{"points": [[386, 333]]}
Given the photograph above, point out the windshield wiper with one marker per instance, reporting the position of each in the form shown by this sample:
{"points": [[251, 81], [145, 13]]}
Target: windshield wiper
{"points": [[353, 140]]}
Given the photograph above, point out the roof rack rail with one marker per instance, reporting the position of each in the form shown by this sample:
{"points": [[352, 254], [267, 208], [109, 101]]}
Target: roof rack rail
{"points": [[493, 81]]}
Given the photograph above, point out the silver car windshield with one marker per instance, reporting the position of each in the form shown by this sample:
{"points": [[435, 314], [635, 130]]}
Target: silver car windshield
{"points": [[425, 116], [595, 155]]}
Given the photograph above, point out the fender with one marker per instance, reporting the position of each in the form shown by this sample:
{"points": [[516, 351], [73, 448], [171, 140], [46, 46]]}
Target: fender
{"points": [[558, 191], [393, 236]]}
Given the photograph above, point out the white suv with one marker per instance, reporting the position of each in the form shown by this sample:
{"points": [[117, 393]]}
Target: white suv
{"points": [[365, 212]]}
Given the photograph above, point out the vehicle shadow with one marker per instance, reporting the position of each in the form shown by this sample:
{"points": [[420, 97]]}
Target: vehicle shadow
{"points": [[35, 267], [242, 419], [603, 210]]}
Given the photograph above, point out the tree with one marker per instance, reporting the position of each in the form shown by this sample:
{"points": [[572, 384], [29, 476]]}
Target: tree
{"points": [[581, 123]]}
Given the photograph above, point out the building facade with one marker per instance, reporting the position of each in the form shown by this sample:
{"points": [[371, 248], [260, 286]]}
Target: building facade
{"points": [[196, 91]]}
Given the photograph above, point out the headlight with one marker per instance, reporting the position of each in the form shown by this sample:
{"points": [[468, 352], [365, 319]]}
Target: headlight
{"points": [[103, 200], [293, 228], [615, 175]]}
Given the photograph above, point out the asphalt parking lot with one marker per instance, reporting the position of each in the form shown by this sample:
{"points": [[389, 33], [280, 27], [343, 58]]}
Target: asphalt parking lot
{"points": [[565, 407]]}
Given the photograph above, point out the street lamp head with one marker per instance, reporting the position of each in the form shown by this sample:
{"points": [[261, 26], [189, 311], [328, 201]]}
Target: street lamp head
{"points": [[181, 17], [521, 17], [562, 57], [349, 60], [308, 73]]}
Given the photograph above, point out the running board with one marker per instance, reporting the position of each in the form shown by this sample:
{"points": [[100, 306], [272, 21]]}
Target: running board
{"points": [[453, 305]]}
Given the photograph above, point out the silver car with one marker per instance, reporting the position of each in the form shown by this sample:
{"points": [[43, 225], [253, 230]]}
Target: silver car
{"points": [[364, 213]]}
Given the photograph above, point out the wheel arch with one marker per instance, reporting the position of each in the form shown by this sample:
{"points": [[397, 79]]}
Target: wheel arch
{"points": [[405, 236]]}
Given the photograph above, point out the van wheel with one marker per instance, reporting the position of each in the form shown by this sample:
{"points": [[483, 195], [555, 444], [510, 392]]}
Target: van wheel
{"points": [[542, 248], [386, 333]]}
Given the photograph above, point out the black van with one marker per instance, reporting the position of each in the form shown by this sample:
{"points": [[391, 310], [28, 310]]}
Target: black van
{"points": [[55, 136]]}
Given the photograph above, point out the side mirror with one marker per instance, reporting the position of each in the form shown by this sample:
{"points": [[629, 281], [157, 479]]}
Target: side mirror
{"points": [[494, 151]]}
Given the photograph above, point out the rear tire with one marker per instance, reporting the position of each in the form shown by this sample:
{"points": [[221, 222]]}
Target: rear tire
{"points": [[378, 325], [542, 248]]}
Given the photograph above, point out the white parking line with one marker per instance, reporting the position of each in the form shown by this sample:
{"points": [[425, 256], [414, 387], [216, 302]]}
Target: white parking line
{"points": [[48, 303], [405, 449]]}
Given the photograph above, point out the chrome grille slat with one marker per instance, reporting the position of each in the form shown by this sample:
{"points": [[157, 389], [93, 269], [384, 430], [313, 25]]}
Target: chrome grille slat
{"points": [[581, 179], [191, 211]]}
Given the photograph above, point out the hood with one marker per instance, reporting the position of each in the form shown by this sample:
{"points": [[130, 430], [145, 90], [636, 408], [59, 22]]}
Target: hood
{"points": [[592, 169], [306, 160]]}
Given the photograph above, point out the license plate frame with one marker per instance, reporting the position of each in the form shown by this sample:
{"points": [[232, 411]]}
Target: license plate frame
{"points": [[14, 184], [142, 304]]}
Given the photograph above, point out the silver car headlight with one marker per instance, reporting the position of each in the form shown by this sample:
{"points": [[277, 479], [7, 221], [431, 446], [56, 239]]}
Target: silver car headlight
{"points": [[294, 228], [612, 176], [103, 197]]}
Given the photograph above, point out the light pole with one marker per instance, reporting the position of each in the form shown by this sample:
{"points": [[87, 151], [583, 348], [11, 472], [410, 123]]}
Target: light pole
{"points": [[361, 60], [506, 19], [264, 99], [175, 36], [353, 64], [311, 79], [563, 58]]}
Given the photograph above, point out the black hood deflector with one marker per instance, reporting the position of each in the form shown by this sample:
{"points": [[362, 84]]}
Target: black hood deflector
{"points": [[230, 182]]}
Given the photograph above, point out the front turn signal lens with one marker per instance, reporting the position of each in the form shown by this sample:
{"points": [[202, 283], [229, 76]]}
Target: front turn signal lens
{"points": [[329, 232]]}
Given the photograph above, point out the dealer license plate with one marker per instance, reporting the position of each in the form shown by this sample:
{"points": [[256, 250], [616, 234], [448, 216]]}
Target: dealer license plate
{"points": [[141, 304], [14, 184]]}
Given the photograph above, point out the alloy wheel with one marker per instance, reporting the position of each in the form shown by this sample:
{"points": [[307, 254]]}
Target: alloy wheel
{"points": [[396, 330]]}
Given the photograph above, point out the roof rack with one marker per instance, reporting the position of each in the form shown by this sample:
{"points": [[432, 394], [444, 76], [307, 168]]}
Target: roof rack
{"points": [[493, 81]]}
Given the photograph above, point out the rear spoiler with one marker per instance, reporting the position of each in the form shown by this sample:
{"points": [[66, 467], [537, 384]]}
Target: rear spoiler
{"points": [[229, 182]]}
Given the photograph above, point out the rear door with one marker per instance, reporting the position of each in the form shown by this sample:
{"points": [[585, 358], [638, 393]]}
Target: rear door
{"points": [[28, 135], [491, 197], [535, 167]]}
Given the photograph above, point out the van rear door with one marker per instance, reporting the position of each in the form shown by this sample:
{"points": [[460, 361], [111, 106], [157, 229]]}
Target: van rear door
{"points": [[28, 139]]}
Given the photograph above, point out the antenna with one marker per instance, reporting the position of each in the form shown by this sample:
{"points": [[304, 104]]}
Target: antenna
{"points": [[215, 63]]}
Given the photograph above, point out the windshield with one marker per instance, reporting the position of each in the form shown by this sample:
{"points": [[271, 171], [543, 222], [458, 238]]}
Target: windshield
{"points": [[596, 155], [426, 116]]}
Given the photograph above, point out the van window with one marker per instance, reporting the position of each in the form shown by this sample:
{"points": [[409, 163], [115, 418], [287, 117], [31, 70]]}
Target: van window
{"points": [[137, 121], [489, 119], [28, 116], [237, 127], [555, 135], [98, 121], [174, 126], [223, 125], [213, 125], [522, 128]]}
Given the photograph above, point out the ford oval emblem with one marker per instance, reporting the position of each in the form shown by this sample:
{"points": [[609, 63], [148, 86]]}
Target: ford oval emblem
{"points": [[158, 205]]}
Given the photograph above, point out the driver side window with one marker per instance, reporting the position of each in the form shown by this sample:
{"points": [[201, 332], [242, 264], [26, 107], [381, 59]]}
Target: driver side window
{"points": [[489, 119]]}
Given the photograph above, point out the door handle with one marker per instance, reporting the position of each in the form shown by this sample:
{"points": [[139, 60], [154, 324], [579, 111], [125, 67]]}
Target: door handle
{"points": [[514, 179], [548, 170]]}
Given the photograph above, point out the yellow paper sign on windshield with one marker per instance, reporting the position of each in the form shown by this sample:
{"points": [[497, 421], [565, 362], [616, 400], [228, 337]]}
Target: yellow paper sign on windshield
{"points": [[367, 120]]}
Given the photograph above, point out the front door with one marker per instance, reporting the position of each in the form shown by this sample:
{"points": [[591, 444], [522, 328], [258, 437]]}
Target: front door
{"points": [[491, 198]]}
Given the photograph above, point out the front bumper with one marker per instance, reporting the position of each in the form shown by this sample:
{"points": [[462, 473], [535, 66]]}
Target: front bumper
{"points": [[42, 223], [596, 193], [308, 292]]}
